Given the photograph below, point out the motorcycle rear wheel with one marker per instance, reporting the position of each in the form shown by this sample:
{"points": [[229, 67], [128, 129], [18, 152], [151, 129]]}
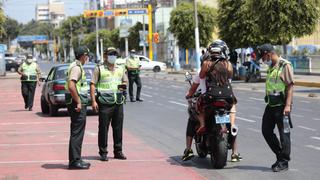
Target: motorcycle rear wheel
{"points": [[219, 151]]}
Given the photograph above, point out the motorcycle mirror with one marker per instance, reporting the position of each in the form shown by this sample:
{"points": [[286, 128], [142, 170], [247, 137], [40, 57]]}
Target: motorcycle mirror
{"points": [[188, 76]]}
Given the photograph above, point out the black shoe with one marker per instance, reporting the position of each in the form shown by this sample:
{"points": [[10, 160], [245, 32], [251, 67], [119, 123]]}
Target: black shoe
{"points": [[85, 163], [79, 165], [281, 166], [275, 164], [140, 100], [187, 155], [104, 157], [30, 108], [132, 100], [25, 107], [119, 155]]}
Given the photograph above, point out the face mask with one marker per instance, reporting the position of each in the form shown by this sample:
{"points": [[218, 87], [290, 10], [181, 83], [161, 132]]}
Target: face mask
{"points": [[268, 62], [29, 61], [112, 59]]}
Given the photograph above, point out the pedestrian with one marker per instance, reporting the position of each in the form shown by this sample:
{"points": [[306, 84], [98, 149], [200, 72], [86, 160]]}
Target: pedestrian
{"points": [[133, 68], [76, 100], [30, 75], [109, 81], [279, 92]]}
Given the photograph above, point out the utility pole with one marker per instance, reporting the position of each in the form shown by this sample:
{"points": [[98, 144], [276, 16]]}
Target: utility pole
{"points": [[154, 8], [97, 34], [196, 32], [71, 53], [101, 49], [176, 47], [143, 29]]}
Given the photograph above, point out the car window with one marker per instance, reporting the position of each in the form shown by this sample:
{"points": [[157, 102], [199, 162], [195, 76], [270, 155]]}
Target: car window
{"points": [[50, 75], [61, 74], [89, 72], [144, 59]]}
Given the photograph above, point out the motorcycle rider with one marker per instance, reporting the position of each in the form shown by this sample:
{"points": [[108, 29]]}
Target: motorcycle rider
{"points": [[218, 72]]}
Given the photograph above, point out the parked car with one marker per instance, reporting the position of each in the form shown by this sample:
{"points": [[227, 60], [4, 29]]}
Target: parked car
{"points": [[11, 64], [53, 90], [147, 64]]}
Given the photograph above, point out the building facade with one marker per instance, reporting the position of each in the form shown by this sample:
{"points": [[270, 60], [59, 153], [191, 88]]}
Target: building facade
{"points": [[53, 12]]}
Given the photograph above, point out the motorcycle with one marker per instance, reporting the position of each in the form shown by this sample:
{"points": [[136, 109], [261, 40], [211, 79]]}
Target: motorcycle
{"points": [[218, 136], [253, 73]]}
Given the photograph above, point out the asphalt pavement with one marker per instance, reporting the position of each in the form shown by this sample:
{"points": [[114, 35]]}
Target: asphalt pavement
{"points": [[34, 146]]}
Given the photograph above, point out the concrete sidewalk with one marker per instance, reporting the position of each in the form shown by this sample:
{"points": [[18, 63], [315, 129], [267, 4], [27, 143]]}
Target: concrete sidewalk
{"points": [[300, 80]]}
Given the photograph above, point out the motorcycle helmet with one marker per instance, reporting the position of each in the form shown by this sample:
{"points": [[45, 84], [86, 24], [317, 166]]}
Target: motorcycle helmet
{"points": [[218, 49]]}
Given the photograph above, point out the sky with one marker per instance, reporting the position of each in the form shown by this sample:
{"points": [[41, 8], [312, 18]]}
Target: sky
{"points": [[24, 10]]}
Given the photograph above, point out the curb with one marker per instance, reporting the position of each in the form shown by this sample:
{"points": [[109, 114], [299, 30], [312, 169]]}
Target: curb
{"points": [[307, 84]]}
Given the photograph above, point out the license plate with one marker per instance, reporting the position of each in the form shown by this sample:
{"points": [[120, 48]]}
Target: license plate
{"points": [[222, 119]]}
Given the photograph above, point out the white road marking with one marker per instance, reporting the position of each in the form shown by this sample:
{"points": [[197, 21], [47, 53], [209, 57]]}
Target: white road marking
{"points": [[254, 116], [257, 99], [32, 123], [33, 132], [313, 147], [314, 137], [304, 109], [147, 95], [307, 128], [176, 86], [174, 102], [316, 119], [247, 120], [305, 101], [159, 104], [296, 115], [66, 161], [254, 130]]}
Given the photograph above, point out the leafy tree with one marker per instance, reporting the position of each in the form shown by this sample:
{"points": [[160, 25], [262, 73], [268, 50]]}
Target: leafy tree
{"points": [[237, 24], [12, 28], [2, 20], [37, 28], [281, 20], [134, 37], [110, 39], [182, 24]]}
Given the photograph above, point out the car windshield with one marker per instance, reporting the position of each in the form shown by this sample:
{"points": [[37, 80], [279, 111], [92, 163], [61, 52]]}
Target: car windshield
{"points": [[61, 73]]}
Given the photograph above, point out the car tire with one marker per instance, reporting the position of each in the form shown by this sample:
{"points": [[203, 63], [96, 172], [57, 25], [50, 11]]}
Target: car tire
{"points": [[53, 110], [44, 105], [12, 69], [156, 69]]}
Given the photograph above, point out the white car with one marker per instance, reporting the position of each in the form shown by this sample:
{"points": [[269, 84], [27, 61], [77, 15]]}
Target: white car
{"points": [[147, 64]]}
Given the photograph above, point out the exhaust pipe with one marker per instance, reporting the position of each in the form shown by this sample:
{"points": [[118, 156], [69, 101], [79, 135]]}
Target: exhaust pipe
{"points": [[234, 130]]}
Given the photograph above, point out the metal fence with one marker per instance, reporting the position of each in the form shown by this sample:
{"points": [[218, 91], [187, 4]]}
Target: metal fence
{"points": [[305, 64]]}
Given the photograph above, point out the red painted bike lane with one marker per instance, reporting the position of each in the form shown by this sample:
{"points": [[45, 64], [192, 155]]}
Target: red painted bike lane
{"points": [[34, 146]]}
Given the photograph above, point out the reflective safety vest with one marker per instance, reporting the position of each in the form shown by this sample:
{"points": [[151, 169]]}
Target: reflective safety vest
{"points": [[29, 71], [133, 62], [275, 87], [81, 85], [107, 85]]}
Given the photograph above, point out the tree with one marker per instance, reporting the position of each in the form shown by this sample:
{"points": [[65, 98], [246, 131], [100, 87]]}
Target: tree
{"points": [[12, 28], [134, 37], [237, 24], [110, 39], [182, 24], [2, 21], [281, 20]]}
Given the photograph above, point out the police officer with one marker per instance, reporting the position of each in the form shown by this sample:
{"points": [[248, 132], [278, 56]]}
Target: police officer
{"points": [[30, 74], [109, 80], [133, 68], [76, 100], [279, 91]]}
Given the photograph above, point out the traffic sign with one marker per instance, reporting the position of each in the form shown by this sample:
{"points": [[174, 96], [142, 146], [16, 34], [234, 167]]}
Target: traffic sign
{"points": [[32, 38], [108, 13], [137, 11]]}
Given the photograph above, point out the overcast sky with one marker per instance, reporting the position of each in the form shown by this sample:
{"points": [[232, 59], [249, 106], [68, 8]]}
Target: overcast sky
{"points": [[24, 10]]}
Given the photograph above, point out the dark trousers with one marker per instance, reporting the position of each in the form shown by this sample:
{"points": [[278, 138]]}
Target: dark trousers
{"points": [[28, 89], [134, 78], [107, 114], [77, 128], [274, 116]]}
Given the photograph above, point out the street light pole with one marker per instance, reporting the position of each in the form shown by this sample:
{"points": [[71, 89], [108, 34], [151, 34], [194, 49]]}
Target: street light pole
{"points": [[176, 47], [143, 29], [97, 35], [196, 32]]}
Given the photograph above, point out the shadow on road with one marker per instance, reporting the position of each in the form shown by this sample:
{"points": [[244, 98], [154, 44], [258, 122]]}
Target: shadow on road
{"points": [[55, 166], [204, 163], [18, 110]]}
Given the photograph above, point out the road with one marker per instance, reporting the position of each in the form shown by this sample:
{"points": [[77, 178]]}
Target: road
{"points": [[34, 146]]}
